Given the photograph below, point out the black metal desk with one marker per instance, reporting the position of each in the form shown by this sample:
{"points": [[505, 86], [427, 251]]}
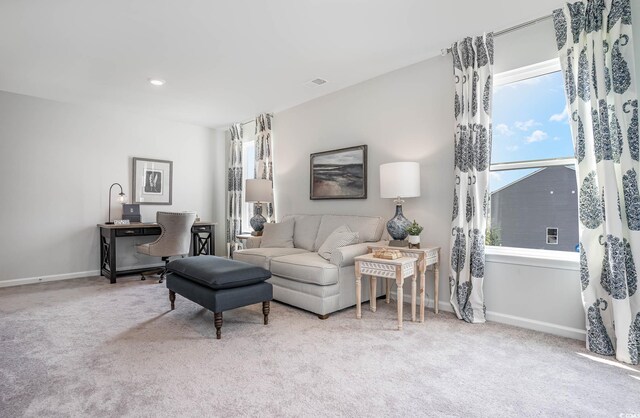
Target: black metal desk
{"points": [[203, 237]]}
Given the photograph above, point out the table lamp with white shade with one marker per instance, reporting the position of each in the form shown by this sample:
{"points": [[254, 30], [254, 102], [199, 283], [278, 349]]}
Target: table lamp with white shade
{"points": [[259, 191], [398, 181]]}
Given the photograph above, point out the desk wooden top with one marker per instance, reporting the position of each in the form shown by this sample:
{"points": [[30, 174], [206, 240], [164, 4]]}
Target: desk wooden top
{"points": [[147, 225]]}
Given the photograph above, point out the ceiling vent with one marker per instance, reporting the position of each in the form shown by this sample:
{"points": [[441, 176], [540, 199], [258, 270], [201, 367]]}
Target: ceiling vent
{"points": [[318, 81]]}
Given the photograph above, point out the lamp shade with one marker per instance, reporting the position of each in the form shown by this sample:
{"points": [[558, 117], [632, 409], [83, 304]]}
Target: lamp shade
{"points": [[400, 180], [259, 190]]}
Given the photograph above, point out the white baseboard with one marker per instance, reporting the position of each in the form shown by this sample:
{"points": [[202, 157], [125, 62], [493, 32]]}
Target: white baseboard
{"points": [[518, 321], [51, 278], [549, 328], [65, 276]]}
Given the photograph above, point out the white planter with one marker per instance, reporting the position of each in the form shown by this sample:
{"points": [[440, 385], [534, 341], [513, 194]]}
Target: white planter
{"points": [[414, 239]]}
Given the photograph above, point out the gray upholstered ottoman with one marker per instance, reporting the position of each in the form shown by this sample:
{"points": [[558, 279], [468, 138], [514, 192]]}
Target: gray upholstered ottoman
{"points": [[219, 284]]}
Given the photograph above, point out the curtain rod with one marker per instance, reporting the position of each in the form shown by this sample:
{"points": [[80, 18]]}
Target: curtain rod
{"points": [[253, 120], [445, 51]]}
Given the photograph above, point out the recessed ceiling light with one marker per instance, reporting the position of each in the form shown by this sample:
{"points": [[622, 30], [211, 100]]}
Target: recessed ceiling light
{"points": [[318, 81], [156, 82]]}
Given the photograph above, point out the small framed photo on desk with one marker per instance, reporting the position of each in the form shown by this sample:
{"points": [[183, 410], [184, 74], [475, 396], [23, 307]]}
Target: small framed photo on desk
{"points": [[152, 181]]}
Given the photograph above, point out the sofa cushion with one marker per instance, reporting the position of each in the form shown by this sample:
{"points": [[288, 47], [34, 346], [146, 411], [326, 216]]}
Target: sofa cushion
{"points": [[369, 228], [218, 272], [306, 268], [262, 256], [340, 237], [277, 235], [305, 230], [306, 288]]}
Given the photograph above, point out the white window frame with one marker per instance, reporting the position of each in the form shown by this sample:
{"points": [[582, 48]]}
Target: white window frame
{"points": [[527, 256], [557, 234], [520, 74]]}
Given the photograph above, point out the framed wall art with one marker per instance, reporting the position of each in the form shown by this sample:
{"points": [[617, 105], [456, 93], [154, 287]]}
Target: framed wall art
{"points": [[152, 181], [339, 174]]}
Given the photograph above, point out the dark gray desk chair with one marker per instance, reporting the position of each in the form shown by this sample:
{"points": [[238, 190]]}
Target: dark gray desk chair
{"points": [[174, 239]]}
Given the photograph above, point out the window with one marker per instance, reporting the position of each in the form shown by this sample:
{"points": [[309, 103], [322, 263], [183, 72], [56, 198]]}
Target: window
{"points": [[532, 175], [248, 172]]}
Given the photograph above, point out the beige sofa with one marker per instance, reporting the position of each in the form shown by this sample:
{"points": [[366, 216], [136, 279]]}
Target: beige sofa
{"points": [[300, 277]]}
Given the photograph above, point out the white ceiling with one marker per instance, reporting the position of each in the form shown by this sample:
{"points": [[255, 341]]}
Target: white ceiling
{"points": [[226, 61]]}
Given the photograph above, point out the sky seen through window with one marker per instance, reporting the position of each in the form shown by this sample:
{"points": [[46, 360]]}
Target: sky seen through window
{"points": [[530, 122]]}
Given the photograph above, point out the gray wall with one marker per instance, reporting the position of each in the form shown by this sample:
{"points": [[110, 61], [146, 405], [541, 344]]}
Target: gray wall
{"points": [[522, 211], [57, 162], [399, 116]]}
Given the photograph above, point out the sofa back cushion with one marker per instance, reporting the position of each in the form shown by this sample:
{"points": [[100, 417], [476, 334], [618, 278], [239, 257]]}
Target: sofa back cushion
{"points": [[279, 235], [305, 230], [369, 228]]}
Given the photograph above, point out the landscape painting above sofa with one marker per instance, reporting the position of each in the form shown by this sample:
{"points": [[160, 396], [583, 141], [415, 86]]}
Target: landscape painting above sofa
{"points": [[339, 174]]}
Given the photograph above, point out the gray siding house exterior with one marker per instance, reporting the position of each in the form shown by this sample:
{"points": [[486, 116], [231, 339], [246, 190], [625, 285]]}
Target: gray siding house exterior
{"points": [[522, 211]]}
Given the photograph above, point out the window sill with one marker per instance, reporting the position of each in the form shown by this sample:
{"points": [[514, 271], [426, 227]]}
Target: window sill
{"points": [[563, 260]]}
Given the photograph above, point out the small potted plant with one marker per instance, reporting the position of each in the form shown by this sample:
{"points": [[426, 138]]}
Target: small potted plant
{"points": [[414, 231]]}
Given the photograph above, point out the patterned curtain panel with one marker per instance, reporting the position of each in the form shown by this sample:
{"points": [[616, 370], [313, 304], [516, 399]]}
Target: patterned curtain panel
{"points": [[264, 155], [234, 187], [596, 52], [473, 70]]}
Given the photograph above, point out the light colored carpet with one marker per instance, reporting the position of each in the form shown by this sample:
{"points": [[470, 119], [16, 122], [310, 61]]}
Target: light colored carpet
{"points": [[87, 348]]}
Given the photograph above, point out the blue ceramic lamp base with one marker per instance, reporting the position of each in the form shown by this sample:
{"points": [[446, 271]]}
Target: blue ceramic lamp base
{"points": [[397, 228], [258, 221]]}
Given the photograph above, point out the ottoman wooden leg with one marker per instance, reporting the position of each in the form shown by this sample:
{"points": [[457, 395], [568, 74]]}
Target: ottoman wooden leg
{"points": [[266, 306], [172, 299], [218, 323]]}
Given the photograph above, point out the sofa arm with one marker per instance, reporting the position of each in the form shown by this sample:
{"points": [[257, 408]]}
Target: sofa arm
{"points": [[344, 256], [253, 242]]}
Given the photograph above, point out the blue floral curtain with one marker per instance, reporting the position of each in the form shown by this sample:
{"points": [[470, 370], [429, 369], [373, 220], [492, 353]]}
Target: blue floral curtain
{"points": [[264, 155], [234, 188], [473, 73], [595, 48]]}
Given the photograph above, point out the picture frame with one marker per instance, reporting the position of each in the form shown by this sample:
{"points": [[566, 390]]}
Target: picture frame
{"points": [[152, 181], [339, 174]]}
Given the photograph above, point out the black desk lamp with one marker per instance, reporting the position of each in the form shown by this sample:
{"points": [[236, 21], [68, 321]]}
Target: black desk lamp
{"points": [[121, 198]]}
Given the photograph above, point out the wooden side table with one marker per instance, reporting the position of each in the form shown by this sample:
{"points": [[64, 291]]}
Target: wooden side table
{"points": [[397, 269], [424, 257], [244, 236]]}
